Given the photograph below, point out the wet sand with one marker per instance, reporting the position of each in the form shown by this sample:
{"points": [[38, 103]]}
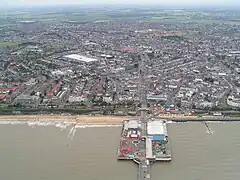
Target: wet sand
{"points": [[81, 119]]}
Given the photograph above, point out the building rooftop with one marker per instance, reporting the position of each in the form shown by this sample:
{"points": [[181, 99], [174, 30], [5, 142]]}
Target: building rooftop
{"points": [[155, 127], [80, 58]]}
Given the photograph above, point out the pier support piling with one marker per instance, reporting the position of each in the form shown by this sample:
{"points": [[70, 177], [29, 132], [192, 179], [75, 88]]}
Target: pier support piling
{"points": [[144, 172]]}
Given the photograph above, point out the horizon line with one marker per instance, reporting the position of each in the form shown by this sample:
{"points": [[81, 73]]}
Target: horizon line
{"points": [[124, 4]]}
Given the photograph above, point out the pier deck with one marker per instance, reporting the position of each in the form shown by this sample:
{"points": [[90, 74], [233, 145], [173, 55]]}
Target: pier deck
{"points": [[144, 171], [137, 145]]}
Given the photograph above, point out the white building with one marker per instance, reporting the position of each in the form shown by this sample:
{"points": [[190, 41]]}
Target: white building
{"points": [[233, 101], [132, 124], [72, 99], [107, 99], [78, 57], [155, 128], [31, 82]]}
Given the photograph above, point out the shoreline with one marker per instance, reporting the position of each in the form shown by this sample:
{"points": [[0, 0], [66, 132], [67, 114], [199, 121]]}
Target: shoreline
{"points": [[79, 119], [95, 120]]}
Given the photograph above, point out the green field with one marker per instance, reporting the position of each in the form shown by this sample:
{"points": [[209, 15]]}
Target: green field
{"points": [[53, 16], [5, 44], [80, 15]]}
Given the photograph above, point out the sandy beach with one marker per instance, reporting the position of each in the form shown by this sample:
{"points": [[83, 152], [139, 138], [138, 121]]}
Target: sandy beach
{"points": [[81, 119]]}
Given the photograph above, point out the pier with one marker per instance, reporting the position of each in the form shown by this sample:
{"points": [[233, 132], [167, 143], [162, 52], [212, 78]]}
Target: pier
{"points": [[144, 170], [144, 142], [144, 139]]}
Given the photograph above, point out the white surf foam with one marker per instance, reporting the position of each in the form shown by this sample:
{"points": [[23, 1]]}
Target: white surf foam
{"points": [[13, 122], [62, 126], [59, 124], [87, 126]]}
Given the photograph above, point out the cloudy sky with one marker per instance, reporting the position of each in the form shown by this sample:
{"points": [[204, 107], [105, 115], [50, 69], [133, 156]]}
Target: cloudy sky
{"points": [[165, 2]]}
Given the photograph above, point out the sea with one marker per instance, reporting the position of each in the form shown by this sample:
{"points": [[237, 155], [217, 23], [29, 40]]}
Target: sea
{"points": [[57, 152]]}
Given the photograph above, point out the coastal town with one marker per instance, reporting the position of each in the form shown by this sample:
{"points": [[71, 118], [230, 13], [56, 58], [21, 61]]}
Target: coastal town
{"points": [[92, 66], [156, 86]]}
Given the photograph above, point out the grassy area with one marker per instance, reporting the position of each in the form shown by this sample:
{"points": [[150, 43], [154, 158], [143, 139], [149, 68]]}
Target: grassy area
{"points": [[185, 19], [80, 15], [87, 18], [55, 16], [235, 115], [5, 44], [173, 16], [5, 25], [5, 22]]}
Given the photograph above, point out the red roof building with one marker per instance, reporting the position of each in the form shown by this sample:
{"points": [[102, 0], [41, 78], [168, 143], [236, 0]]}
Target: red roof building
{"points": [[3, 97], [54, 90]]}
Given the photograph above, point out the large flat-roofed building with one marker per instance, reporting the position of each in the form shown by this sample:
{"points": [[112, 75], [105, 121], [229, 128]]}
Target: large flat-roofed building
{"points": [[157, 97], [80, 58], [132, 124], [155, 128]]}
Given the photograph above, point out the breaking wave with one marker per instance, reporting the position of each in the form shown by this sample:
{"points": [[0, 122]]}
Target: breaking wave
{"points": [[59, 124], [86, 126]]}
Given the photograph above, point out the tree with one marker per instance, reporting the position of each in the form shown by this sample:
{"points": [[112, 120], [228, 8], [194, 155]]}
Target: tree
{"points": [[194, 106], [18, 105], [178, 104]]}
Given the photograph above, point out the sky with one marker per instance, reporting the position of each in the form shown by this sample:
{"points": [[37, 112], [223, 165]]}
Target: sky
{"points": [[161, 2]]}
